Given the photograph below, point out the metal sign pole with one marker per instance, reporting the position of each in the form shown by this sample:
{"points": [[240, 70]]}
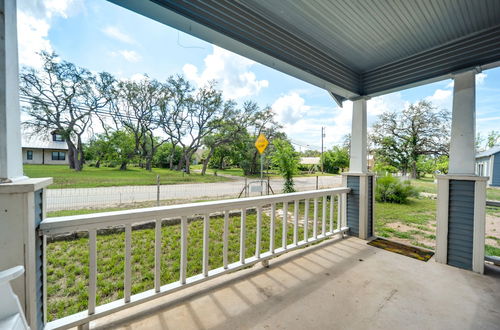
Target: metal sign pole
{"points": [[261, 173]]}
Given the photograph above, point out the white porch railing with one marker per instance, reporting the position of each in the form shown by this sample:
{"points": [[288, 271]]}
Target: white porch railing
{"points": [[91, 223]]}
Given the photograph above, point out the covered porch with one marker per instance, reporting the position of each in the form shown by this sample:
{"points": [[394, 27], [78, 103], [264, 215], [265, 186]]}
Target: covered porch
{"points": [[341, 284], [355, 51]]}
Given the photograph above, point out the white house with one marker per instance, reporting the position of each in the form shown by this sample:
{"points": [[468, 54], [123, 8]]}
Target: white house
{"points": [[42, 150], [488, 164]]}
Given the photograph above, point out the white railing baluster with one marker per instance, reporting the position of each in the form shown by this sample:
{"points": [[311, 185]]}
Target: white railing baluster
{"points": [[332, 208], [243, 235], [306, 219], [92, 270], [323, 217], [339, 210], [296, 222], [344, 210], [285, 225], [127, 283], [157, 255], [273, 229], [315, 218], [206, 230], [225, 239], [184, 233], [258, 231]]}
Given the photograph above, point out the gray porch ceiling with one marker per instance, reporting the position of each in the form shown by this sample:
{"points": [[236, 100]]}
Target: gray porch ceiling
{"points": [[349, 47]]}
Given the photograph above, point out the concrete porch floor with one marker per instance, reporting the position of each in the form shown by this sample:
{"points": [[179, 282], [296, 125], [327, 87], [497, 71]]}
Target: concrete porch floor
{"points": [[343, 284]]}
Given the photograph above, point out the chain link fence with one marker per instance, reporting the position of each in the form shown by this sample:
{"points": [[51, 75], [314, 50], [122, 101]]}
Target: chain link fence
{"points": [[103, 197]]}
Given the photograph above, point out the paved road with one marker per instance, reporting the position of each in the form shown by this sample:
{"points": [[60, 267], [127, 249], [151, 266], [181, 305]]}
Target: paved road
{"points": [[69, 199]]}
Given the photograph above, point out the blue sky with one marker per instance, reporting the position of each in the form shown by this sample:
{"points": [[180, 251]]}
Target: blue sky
{"points": [[101, 36]]}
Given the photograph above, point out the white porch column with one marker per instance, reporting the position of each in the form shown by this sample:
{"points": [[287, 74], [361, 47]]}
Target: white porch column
{"points": [[360, 199], [11, 166], [461, 194], [358, 160], [21, 199], [463, 124]]}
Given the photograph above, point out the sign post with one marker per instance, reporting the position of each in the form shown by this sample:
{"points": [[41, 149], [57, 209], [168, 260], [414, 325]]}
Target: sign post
{"points": [[261, 144]]}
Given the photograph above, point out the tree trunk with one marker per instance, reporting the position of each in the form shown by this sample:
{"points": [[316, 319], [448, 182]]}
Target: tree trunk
{"points": [[188, 163], [149, 162], [98, 164], [205, 162], [123, 166], [172, 155]]}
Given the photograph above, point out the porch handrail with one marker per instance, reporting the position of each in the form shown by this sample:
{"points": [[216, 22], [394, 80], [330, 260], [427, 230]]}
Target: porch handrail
{"points": [[84, 222], [91, 223]]}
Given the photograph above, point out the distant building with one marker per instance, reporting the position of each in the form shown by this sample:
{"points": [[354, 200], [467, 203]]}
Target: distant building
{"points": [[488, 164], [40, 150]]}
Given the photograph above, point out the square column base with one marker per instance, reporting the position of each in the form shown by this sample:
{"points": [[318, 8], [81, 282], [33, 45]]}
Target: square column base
{"points": [[360, 202], [22, 208], [461, 214]]}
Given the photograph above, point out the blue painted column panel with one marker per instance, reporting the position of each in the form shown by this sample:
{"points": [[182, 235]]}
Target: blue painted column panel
{"points": [[461, 223]]}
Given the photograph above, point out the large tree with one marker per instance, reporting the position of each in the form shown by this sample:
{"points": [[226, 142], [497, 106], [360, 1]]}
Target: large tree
{"points": [[63, 98], [233, 129], [191, 116], [401, 138], [136, 107]]}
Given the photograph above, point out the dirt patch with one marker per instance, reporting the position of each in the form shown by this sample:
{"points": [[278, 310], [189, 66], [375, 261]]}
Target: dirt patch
{"points": [[492, 230]]}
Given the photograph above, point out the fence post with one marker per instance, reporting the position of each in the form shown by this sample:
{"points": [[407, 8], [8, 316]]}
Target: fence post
{"points": [[158, 190], [246, 187], [316, 182], [268, 184]]}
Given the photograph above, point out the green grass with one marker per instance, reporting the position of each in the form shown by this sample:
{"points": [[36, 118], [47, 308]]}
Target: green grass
{"points": [[492, 251], [89, 177], [67, 264]]}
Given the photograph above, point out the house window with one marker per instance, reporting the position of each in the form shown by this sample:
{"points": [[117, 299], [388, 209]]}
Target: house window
{"points": [[58, 155], [57, 137], [29, 155]]}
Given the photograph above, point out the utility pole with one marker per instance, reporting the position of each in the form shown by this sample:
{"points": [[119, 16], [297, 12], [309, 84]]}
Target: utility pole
{"points": [[322, 136]]}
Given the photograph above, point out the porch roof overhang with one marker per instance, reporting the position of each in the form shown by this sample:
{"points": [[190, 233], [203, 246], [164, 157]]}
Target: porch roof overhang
{"points": [[350, 48]]}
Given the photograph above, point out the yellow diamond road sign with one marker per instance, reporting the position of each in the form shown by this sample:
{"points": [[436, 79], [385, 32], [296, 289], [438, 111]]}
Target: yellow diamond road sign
{"points": [[261, 143]]}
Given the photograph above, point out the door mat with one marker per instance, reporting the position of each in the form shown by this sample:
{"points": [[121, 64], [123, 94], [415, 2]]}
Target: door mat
{"points": [[406, 250]]}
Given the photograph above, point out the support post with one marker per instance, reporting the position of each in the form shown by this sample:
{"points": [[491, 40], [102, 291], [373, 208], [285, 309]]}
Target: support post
{"points": [[11, 166], [359, 205], [461, 194]]}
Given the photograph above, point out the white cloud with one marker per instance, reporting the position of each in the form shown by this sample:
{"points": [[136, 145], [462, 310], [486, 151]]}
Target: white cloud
{"points": [[442, 98], [128, 55], [480, 77], [33, 22], [115, 33], [290, 108], [230, 71]]}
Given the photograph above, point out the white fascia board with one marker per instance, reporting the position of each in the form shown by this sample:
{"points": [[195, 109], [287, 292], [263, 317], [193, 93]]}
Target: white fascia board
{"points": [[179, 22]]}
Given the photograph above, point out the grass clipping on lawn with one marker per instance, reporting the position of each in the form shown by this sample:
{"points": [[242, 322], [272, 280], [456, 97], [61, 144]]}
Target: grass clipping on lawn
{"points": [[406, 250]]}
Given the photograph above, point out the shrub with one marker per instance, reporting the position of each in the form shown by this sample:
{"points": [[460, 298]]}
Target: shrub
{"points": [[392, 190]]}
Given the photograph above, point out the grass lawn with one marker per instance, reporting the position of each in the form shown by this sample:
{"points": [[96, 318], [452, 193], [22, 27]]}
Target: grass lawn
{"points": [[412, 223], [89, 177], [67, 262]]}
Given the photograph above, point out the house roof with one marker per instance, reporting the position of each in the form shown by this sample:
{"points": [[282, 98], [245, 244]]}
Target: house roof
{"points": [[488, 152], [350, 48], [36, 142], [309, 160]]}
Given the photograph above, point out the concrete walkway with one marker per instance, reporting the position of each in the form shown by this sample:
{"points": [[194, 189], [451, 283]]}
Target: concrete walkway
{"points": [[335, 285], [68, 199]]}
